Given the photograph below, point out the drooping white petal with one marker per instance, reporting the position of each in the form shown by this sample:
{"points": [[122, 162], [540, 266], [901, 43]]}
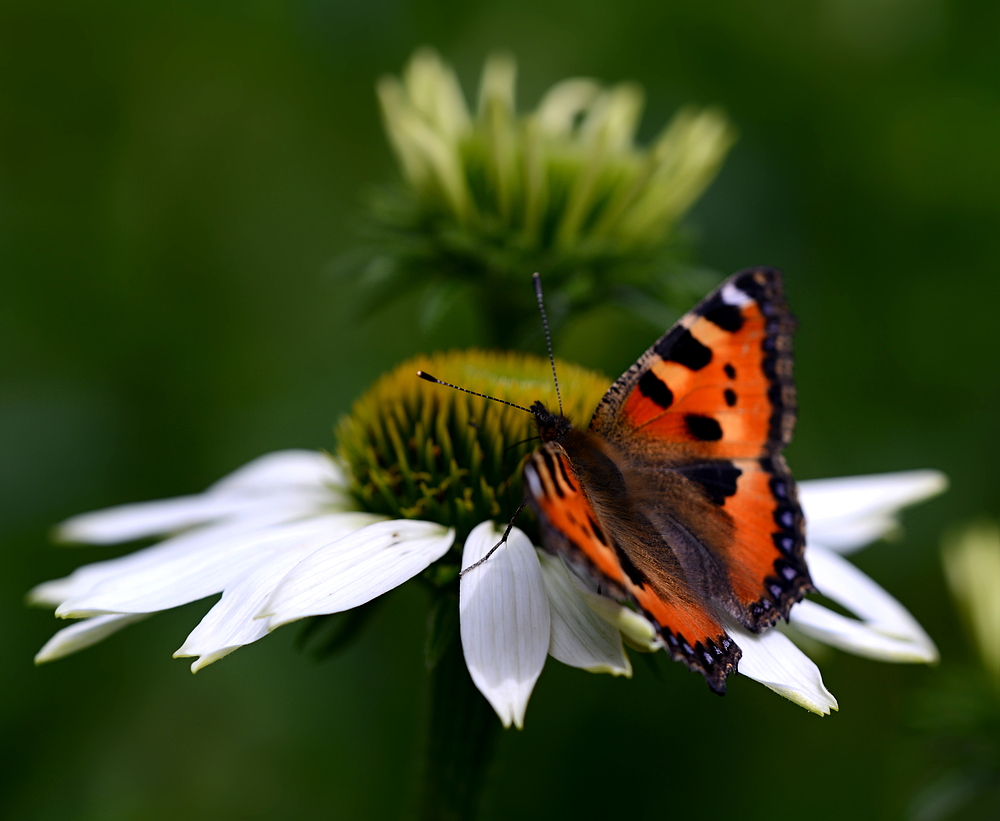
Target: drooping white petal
{"points": [[232, 622], [775, 662], [847, 513], [82, 634], [887, 630], [82, 580], [356, 569], [855, 636], [636, 628], [504, 618], [171, 578], [579, 638], [275, 480]]}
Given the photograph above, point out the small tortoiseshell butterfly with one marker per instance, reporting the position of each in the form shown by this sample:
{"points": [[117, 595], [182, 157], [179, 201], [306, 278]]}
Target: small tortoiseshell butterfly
{"points": [[677, 497]]}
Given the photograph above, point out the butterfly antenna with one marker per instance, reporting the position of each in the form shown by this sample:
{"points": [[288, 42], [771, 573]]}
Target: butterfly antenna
{"points": [[537, 278], [436, 381]]}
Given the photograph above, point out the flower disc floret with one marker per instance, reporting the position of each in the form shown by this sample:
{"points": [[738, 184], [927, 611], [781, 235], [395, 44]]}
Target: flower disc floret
{"points": [[416, 450]]}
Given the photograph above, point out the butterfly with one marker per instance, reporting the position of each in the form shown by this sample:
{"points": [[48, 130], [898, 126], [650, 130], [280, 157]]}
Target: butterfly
{"points": [[676, 498]]}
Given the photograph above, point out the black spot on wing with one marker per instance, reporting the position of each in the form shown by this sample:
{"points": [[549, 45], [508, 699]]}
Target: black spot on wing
{"points": [[730, 396], [730, 370], [703, 428], [684, 349], [717, 479], [721, 313], [654, 388]]}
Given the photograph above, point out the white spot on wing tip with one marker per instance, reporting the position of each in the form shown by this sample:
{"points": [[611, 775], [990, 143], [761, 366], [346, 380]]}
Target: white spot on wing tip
{"points": [[732, 295]]}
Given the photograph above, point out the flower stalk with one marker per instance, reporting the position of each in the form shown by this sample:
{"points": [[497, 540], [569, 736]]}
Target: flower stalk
{"points": [[462, 733]]}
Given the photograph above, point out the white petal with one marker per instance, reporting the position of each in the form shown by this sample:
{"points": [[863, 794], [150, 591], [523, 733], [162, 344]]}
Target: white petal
{"points": [[231, 623], [170, 578], [636, 628], [854, 636], [505, 622], [849, 535], [775, 662], [277, 479], [82, 580], [82, 634], [889, 631], [283, 469], [124, 523], [356, 569], [580, 638], [847, 513]]}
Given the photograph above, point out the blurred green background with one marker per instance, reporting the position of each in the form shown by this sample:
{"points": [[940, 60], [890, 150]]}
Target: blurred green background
{"points": [[177, 181]]}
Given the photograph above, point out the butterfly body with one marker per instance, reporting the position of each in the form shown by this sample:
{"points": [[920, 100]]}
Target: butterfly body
{"points": [[676, 498]]}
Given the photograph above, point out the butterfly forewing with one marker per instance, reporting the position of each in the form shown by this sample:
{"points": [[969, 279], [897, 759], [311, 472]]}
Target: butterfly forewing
{"points": [[718, 384], [703, 416]]}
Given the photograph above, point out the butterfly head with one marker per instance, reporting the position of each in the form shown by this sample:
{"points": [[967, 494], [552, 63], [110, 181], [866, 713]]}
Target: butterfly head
{"points": [[552, 427]]}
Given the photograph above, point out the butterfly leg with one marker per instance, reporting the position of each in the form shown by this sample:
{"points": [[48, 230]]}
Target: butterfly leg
{"points": [[506, 533]]}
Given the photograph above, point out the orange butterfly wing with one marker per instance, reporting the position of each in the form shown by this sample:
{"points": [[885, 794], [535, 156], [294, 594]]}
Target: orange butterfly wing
{"points": [[703, 416], [574, 528]]}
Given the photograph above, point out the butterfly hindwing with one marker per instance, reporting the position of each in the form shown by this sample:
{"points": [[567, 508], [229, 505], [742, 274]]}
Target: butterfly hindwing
{"points": [[738, 530], [621, 555]]}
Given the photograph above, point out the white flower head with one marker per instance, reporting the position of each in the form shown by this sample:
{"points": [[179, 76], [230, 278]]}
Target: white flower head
{"points": [[284, 538]]}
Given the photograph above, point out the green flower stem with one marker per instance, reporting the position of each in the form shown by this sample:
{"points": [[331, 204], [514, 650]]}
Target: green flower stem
{"points": [[461, 738]]}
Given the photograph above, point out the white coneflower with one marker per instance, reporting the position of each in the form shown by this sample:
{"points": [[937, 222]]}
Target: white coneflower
{"points": [[420, 480]]}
